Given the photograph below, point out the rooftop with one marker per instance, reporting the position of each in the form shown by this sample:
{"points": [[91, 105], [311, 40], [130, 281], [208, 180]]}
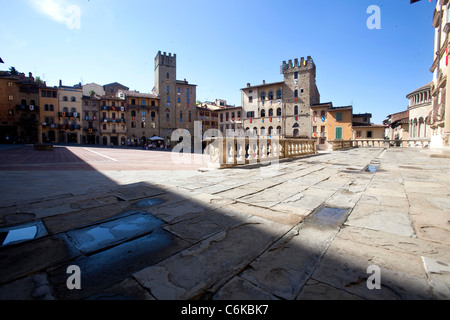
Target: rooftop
{"points": [[263, 85]]}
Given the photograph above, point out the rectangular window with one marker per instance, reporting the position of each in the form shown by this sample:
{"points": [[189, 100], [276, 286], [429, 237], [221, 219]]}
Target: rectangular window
{"points": [[250, 99], [369, 134], [338, 133], [133, 102], [10, 98], [339, 116], [358, 134], [142, 102]]}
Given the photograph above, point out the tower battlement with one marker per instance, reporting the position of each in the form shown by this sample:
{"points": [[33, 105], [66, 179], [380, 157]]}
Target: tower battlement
{"points": [[165, 59], [298, 65]]}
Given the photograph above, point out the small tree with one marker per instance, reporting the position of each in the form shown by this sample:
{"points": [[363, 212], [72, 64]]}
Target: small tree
{"points": [[13, 71], [38, 80]]}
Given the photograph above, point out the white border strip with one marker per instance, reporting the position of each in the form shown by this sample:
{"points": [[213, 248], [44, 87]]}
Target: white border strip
{"points": [[112, 159]]}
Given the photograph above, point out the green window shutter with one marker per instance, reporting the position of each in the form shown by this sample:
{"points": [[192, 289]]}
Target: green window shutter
{"points": [[339, 116], [338, 133]]}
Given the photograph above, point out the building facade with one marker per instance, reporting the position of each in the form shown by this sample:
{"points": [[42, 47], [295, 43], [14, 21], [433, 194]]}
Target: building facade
{"points": [[363, 128], [419, 108], [69, 113], [439, 116], [283, 108], [113, 128], [48, 101], [9, 99], [397, 126], [142, 112], [28, 111], [330, 123]]}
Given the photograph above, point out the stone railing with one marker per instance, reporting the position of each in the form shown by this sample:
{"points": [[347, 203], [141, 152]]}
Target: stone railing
{"points": [[233, 151], [379, 143]]}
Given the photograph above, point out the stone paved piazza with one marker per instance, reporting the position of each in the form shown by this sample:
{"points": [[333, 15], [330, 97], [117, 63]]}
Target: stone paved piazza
{"points": [[140, 227]]}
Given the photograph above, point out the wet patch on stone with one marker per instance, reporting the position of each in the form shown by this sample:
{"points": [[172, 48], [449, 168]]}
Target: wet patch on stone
{"points": [[22, 233], [149, 202], [329, 217], [371, 168], [99, 237]]}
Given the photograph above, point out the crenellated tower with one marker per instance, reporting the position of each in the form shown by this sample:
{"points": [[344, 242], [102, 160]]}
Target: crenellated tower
{"points": [[165, 88], [299, 93]]}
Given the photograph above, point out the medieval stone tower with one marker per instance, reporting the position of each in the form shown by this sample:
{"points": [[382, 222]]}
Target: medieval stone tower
{"points": [[177, 104], [165, 88], [299, 93]]}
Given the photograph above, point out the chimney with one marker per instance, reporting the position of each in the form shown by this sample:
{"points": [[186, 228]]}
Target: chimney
{"points": [[30, 75], [60, 83], [264, 81], [248, 85]]}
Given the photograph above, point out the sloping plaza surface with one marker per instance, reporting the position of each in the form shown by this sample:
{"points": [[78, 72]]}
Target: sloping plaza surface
{"points": [[365, 223]]}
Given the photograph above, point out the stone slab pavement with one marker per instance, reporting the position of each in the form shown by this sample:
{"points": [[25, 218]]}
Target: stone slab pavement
{"points": [[139, 226]]}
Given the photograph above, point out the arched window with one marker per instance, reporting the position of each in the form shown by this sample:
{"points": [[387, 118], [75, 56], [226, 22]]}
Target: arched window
{"points": [[270, 131], [65, 109], [23, 102], [65, 98], [263, 131], [73, 110], [168, 116], [296, 110], [270, 95], [133, 113], [153, 114], [279, 130], [46, 107], [73, 99], [255, 131], [263, 113], [263, 96], [295, 93], [278, 112], [32, 103], [270, 112], [167, 75]]}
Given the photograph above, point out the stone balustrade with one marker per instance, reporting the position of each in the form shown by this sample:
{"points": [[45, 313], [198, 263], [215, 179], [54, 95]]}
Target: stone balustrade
{"points": [[233, 151], [378, 143]]}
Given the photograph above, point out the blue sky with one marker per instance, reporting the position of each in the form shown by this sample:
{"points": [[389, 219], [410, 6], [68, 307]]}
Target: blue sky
{"points": [[223, 45]]}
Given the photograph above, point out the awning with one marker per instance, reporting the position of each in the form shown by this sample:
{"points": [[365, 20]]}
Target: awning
{"points": [[156, 138]]}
